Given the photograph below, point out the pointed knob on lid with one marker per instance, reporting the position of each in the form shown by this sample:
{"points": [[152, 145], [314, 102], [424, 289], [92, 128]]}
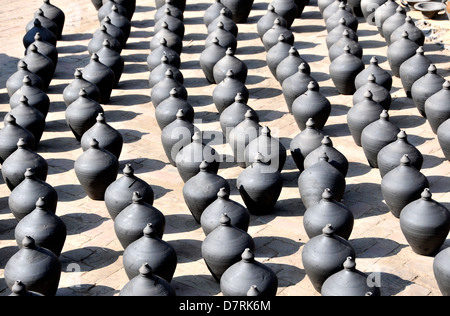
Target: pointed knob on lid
{"points": [[432, 69], [149, 230], [402, 135], [259, 157], [106, 43], [40, 203], [28, 242], [426, 194], [342, 21], [349, 264], [94, 57], [101, 118], [204, 165], [22, 65], [163, 41], [145, 270], [238, 98], [180, 114], [225, 220], [405, 34], [347, 49], [128, 170], [37, 23], [276, 22], [265, 131], [164, 59], [22, 143], [220, 25], [310, 123], [327, 194], [253, 291], [197, 137], [281, 38], [313, 86], [405, 161], [37, 36], [169, 73], [326, 141], [368, 95], [293, 51], [19, 288], [230, 51], [94, 143], [23, 100], [384, 115], [33, 48], [328, 230], [446, 85], [137, 198], [302, 68], [345, 33], [29, 173], [323, 157], [247, 255], [215, 41], [223, 193], [10, 119], [371, 78], [230, 73], [420, 51], [78, 74], [374, 60], [248, 115]]}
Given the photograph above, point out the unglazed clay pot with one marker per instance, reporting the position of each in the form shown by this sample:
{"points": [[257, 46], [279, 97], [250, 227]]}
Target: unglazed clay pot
{"points": [[209, 58], [437, 107], [382, 13], [337, 48], [55, 14], [226, 38], [45, 22], [100, 75], [174, 24], [172, 39], [227, 21], [46, 34], [224, 246], [296, 85], [40, 65], [15, 81], [112, 30], [415, 34], [289, 66], [382, 76], [441, 271], [147, 284], [161, 90], [266, 21], [305, 142], [324, 255], [214, 10], [106, 9], [154, 58], [392, 23], [379, 93], [120, 20], [96, 169], [119, 193], [29, 117], [270, 37], [402, 185], [444, 138], [45, 48], [287, 9], [111, 58], [98, 39], [400, 51], [343, 71], [238, 279], [225, 92], [425, 223], [37, 267], [425, 87], [336, 33], [240, 8], [413, 69], [20, 289], [167, 110], [368, 8], [342, 12], [230, 61], [154, 251], [277, 54], [10, 135], [72, 90], [333, 7]]}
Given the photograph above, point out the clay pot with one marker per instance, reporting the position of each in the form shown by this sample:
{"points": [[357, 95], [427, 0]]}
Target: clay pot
{"points": [[112, 30], [379, 93], [72, 90], [368, 8], [402, 185], [389, 156], [119, 193], [344, 11], [180, 4], [177, 135], [269, 147], [286, 9], [224, 246], [22, 200], [96, 169], [120, 20], [415, 34], [106, 9], [328, 211], [55, 14], [356, 7], [443, 138], [383, 12], [154, 58], [82, 114], [46, 228], [333, 7], [45, 48], [289, 66], [318, 177], [343, 71], [37, 267], [100, 75], [147, 284], [323, 4], [241, 9], [234, 114], [241, 276], [45, 22], [265, 23], [20, 289], [107, 137], [129, 5], [46, 34], [112, 59], [335, 157], [277, 53], [270, 37], [15, 81], [201, 190], [167, 110], [230, 62], [324, 255], [392, 23], [40, 65], [15, 166], [382, 77], [226, 38], [238, 214], [29, 118], [336, 33], [337, 49], [227, 21], [311, 104], [260, 186], [35, 97], [437, 107], [425, 87], [240, 136], [161, 90], [376, 135], [209, 58], [98, 39], [400, 51], [296, 85], [10, 135], [305, 142], [214, 10], [425, 223], [174, 24], [225, 92], [440, 271], [349, 282], [413, 69], [154, 251], [173, 40], [130, 223]]}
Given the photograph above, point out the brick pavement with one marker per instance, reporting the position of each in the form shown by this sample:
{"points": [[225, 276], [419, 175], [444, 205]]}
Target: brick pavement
{"points": [[91, 243]]}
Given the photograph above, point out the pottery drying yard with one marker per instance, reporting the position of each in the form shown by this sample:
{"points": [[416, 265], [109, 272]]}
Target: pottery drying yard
{"points": [[92, 255]]}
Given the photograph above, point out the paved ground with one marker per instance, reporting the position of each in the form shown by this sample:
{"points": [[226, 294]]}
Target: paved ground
{"points": [[91, 241]]}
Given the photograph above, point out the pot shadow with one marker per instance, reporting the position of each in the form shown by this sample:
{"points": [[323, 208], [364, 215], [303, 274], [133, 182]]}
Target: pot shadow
{"points": [[207, 117], [59, 165], [337, 130], [142, 165], [5, 254], [245, 36], [77, 37], [439, 184], [367, 44], [392, 284], [400, 103], [86, 290], [312, 28], [368, 193], [70, 192], [141, 34], [264, 93], [188, 250], [311, 58], [249, 50], [319, 77], [131, 135], [287, 274], [193, 20], [255, 63], [144, 44], [253, 79], [356, 169], [90, 258], [72, 49], [159, 191], [135, 68], [135, 58], [188, 37], [431, 161], [184, 285], [4, 207], [142, 24], [193, 49], [269, 115], [57, 126], [80, 222], [180, 223], [121, 116], [133, 84], [191, 64], [373, 247], [58, 144], [200, 100], [437, 59], [196, 82], [129, 99], [407, 121], [58, 106], [368, 32], [7, 227]]}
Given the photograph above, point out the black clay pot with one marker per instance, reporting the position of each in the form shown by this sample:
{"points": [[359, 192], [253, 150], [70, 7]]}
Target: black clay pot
{"points": [[45, 48], [112, 59], [368, 8], [356, 7], [121, 21], [147, 284], [305, 142], [389, 156], [161, 90], [270, 37], [337, 49], [180, 4], [119, 193], [296, 85], [350, 282], [100, 75], [98, 39], [287, 9], [172, 39], [413, 69], [437, 107], [311, 104], [40, 65], [239, 215], [289, 66], [55, 14], [129, 5], [402, 185], [130, 223], [441, 271], [190, 157], [112, 30], [46, 228], [22, 200], [328, 211], [96, 169], [260, 186], [415, 34], [333, 7], [343, 71], [336, 33], [201, 190], [214, 10], [46, 34], [174, 24], [392, 23], [37, 267], [425, 223], [177, 135], [344, 11], [324, 255], [154, 251], [379, 93], [241, 276], [106, 10], [240, 8], [425, 87], [159, 72], [82, 114], [382, 77], [444, 138], [154, 58], [383, 12], [224, 246], [35, 97], [335, 157], [265, 23], [10, 135], [15, 166], [376, 135], [323, 4], [318, 177], [15, 81], [72, 90], [20, 289], [29, 118], [209, 58], [400, 51], [226, 38], [277, 53], [167, 110], [230, 62], [240, 136], [225, 92], [45, 22], [227, 21]]}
